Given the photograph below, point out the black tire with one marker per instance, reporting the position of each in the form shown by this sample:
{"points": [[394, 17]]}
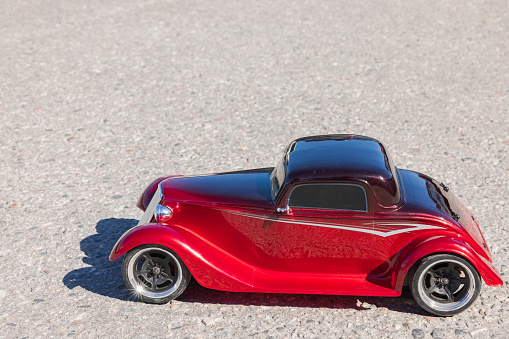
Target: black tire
{"points": [[444, 284], [155, 273]]}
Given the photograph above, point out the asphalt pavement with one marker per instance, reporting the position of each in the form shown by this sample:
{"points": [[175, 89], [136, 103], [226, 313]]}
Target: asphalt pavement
{"points": [[99, 98]]}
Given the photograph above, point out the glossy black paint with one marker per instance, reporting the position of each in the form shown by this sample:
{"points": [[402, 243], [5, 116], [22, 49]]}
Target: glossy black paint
{"points": [[249, 188], [427, 193], [342, 157]]}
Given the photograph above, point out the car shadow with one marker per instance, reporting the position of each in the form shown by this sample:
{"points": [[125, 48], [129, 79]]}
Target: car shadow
{"points": [[104, 277], [195, 293]]}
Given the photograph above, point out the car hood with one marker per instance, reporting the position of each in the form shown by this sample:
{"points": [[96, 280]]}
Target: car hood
{"points": [[249, 188]]}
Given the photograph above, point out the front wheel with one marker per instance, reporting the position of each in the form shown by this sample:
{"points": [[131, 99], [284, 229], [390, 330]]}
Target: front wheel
{"points": [[155, 273], [445, 284]]}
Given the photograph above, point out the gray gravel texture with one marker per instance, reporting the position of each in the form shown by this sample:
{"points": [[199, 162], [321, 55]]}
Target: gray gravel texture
{"points": [[98, 98]]}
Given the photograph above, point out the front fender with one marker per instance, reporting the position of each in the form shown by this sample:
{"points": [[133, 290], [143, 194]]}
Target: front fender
{"points": [[210, 265], [453, 246], [158, 234], [147, 195]]}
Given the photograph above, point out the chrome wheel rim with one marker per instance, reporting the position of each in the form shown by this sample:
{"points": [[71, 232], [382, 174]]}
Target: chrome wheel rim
{"points": [[154, 272], [446, 285]]}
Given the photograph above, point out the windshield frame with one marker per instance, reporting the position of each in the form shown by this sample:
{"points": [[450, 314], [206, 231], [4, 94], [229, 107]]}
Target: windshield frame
{"points": [[278, 177]]}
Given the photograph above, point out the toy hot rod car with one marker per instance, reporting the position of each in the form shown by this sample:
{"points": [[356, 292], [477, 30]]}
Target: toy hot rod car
{"points": [[333, 217]]}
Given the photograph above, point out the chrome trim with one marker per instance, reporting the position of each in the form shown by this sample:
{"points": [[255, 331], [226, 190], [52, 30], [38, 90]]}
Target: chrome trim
{"points": [[149, 212], [157, 197], [282, 210], [162, 211]]}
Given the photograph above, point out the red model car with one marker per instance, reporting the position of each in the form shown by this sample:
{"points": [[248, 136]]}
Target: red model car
{"points": [[333, 217]]}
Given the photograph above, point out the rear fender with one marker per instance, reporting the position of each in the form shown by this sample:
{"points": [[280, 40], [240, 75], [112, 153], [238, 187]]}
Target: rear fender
{"points": [[211, 266], [447, 245]]}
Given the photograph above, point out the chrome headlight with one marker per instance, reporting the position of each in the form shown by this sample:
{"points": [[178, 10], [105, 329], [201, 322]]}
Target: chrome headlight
{"points": [[163, 213]]}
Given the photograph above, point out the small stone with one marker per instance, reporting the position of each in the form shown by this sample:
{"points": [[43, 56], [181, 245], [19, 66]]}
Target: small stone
{"points": [[79, 317], [13, 205], [210, 321], [461, 333], [117, 196], [476, 332], [368, 305], [2, 294], [417, 333], [438, 333]]}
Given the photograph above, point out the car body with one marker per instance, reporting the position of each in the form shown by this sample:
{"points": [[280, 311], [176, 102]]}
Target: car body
{"points": [[335, 216]]}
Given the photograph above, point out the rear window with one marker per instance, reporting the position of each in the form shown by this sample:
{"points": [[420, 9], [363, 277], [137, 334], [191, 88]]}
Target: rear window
{"points": [[346, 197]]}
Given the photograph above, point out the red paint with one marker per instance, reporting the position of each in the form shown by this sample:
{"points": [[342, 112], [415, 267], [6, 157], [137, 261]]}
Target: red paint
{"points": [[227, 230]]}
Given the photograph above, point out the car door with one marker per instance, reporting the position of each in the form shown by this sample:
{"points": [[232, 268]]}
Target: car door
{"points": [[327, 228]]}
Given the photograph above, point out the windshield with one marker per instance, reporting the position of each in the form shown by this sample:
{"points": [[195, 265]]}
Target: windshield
{"points": [[278, 178]]}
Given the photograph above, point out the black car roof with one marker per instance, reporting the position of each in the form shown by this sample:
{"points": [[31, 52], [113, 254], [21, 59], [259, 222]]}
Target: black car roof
{"points": [[344, 157]]}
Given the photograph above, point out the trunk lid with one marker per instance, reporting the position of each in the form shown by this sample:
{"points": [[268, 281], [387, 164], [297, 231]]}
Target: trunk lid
{"points": [[427, 191]]}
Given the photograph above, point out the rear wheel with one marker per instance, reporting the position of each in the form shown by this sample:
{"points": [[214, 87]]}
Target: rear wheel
{"points": [[155, 273], [445, 284]]}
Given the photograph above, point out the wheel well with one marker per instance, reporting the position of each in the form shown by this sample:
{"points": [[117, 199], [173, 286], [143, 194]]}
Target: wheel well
{"points": [[148, 245], [156, 245], [417, 262]]}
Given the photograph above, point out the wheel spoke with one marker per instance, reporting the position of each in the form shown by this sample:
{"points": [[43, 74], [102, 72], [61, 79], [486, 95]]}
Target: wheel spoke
{"points": [[148, 259], [454, 287], [154, 282], [458, 280], [167, 267], [457, 277], [449, 293], [165, 279], [450, 269], [144, 275], [434, 274], [166, 261], [431, 289]]}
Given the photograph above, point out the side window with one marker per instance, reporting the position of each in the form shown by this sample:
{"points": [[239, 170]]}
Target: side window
{"points": [[347, 197]]}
